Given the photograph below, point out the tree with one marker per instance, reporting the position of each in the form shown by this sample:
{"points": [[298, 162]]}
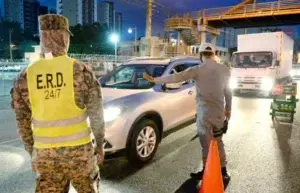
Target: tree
{"points": [[91, 39], [19, 39], [87, 39]]}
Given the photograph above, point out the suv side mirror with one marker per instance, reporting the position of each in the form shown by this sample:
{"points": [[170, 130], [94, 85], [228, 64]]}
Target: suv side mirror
{"points": [[277, 63]]}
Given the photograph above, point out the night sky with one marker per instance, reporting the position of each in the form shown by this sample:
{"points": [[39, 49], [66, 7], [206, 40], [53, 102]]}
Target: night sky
{"points": [[135, 14]]}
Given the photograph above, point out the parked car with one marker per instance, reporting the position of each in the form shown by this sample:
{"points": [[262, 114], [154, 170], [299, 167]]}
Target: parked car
{"points": [[137, 112]]}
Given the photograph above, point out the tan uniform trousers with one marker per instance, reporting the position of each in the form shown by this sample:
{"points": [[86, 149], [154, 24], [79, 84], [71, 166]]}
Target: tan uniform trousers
{"points": [[205, 133]]}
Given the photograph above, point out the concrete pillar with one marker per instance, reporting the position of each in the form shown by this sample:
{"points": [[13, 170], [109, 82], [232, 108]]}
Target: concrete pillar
{"points": [[149, 25], [203, 37], [214, 40], [178, 43]]}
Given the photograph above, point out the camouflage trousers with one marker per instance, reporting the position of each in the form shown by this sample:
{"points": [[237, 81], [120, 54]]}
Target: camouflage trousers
{"points": [[58, 167]]}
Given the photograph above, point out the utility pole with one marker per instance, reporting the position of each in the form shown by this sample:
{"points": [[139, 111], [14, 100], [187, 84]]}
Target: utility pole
{"points": [[10, 45], [149, 25], [135, 42]]}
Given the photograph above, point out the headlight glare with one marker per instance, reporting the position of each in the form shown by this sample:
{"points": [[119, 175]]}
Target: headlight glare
{"points": [[292, 73], [233, 83], [111, 113], [267, 84]]}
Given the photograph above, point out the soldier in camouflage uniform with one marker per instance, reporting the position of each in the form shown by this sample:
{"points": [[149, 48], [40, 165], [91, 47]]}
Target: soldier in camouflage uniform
{"points": [[58, 165]]}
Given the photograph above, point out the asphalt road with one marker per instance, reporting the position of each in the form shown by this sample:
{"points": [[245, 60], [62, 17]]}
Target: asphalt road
{"points": [[5, 86], [263, 157]]}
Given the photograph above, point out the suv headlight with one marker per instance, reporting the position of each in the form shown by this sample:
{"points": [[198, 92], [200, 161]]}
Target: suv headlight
{"points": [[111, 113], [233, 83], [267, 84]]}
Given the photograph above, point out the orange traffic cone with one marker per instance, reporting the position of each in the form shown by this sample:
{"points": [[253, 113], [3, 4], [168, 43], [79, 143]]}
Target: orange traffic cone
{"points": [[212, 179]]}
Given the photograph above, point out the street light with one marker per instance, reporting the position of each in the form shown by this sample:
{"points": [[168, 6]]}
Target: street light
{"points": [[130, 30], [114, 38]]}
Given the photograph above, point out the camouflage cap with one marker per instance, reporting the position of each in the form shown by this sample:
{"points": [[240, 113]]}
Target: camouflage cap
{"points": [[54, 22]]}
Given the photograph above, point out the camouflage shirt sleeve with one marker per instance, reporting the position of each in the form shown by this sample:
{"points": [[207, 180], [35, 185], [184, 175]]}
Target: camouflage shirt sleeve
{"points": [[20, 104], [92, 96]]}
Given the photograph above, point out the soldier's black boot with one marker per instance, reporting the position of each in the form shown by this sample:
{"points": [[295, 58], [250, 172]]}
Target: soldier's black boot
{"points": [[198, 175], [226, 176]]}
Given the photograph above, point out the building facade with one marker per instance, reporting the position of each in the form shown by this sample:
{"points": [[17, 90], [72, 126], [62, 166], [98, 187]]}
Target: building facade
{"points": [[31, 12], [43, 10], [52, 11], [119, 23], [72, 9], [14, 11], [228, 36], [106, 14], [89, 11], [83, 12], [24, 12], [1, 18]]}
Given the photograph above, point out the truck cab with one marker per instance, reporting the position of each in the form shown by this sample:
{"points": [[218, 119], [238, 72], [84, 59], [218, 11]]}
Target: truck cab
{"points": [[261, 61]]}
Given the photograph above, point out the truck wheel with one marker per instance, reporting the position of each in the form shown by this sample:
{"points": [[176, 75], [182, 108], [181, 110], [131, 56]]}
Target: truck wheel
{"points": [[144, 142], [269, 95], [290, 79]]}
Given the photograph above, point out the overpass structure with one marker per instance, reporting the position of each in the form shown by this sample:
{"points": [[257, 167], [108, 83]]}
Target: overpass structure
{"points": [[194, 26]]}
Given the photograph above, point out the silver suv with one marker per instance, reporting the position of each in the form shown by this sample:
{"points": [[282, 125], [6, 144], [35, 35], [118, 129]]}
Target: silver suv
{"points": [[137, 112]]}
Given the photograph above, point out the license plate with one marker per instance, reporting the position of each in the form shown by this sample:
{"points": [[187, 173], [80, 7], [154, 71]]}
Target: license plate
{"points": [[248, 86]]}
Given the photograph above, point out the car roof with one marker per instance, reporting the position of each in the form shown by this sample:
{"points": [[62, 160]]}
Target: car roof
{"points": [[158, 61]]}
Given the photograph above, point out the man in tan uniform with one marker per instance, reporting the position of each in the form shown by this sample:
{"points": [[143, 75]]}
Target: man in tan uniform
{"points": [[52, 100], [213, 98]]}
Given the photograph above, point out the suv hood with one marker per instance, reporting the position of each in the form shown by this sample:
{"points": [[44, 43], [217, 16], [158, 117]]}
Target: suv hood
{"points": [[110, 94]]}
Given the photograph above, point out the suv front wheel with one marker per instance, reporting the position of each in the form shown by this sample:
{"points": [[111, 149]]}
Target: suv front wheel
{"points": [[144, 142]]}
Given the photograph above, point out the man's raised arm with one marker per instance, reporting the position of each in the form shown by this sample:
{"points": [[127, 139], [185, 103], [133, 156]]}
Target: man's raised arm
{"points": [[188, 74]]}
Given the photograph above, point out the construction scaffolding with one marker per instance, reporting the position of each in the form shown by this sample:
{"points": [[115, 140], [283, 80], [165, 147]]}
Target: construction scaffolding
{"points": [[193, 26]]}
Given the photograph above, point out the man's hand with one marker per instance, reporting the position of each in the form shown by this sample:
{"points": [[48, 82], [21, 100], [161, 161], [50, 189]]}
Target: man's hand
{"points": [[33, 166], [100, 155], [148, 77], [228, 115]]}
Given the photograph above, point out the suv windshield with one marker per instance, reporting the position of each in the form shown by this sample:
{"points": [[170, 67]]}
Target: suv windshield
{"points": [[252, 60], [131, 76]]}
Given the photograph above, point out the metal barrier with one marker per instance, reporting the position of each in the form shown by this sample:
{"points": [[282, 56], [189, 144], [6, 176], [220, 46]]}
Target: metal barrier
{"points": [[101, 64], [9, 69]]}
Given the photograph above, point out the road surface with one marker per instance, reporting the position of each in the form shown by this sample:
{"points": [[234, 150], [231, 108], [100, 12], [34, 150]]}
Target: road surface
{"points": [[263, 157], [5, 86]]}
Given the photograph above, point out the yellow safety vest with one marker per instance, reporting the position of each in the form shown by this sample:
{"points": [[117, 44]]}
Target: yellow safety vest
{"points": [[57, 120]]}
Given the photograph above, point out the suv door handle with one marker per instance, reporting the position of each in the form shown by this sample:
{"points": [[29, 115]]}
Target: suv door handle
{"points": [[190, 92]]}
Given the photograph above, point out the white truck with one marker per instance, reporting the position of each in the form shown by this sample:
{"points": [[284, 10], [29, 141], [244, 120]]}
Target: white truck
{"points": [[261, 60]]}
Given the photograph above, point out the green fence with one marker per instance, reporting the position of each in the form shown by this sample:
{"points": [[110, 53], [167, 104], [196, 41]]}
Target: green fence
{"points": [[284, 102]]}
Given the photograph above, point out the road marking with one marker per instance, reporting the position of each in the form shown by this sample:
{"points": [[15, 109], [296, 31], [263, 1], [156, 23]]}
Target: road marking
{"points": [[4, 142]]}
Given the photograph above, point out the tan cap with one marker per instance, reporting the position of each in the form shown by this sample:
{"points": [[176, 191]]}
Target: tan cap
{"points": [[207, 47], [54, 22]]}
